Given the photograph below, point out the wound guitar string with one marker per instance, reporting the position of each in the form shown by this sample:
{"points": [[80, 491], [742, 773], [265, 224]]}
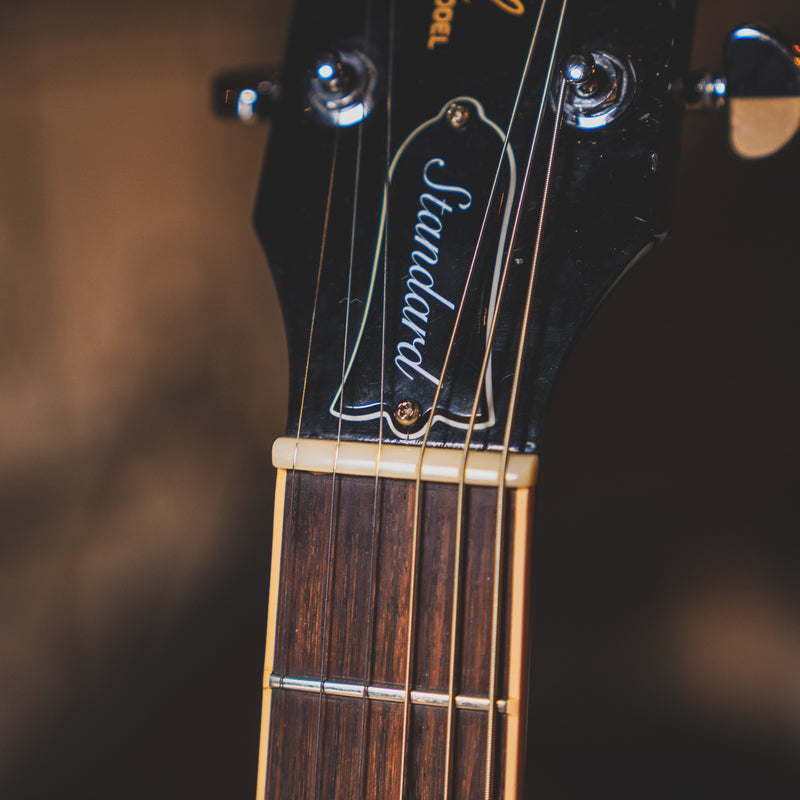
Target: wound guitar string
{"points": [[454, 622], [417, 490], [292, 510], [498, 554], [416, 528]]}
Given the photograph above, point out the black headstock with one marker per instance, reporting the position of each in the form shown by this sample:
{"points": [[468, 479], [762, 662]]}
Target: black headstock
{"points": [[375, 190]]}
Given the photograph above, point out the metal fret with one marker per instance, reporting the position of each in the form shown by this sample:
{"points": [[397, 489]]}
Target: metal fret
{"points": [[374, 692]]}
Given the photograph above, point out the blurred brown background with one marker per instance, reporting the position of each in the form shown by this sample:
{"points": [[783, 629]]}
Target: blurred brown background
{"points": [[142, 375]]}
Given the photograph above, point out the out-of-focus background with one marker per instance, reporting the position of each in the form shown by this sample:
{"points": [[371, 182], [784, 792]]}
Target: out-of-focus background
{"points": [[141, 374], [142, 379]]}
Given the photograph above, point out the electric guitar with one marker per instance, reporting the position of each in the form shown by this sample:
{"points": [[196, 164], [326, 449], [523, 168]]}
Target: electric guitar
{"points": [[450, 191]]}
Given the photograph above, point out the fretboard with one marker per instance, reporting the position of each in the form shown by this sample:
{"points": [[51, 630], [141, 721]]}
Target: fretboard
{"points": [[342, 718]]}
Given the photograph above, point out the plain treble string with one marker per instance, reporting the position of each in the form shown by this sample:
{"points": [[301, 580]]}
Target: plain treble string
{"points": [[317, 777], [366, 677], [291, 484]]}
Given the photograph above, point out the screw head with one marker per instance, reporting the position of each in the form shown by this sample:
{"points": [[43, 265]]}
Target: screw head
{"points": [[458, 115], [407, 412]]}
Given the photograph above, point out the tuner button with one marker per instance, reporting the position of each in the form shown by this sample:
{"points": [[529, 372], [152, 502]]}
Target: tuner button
{"points": [[247, 95], [761, 89], [763, 94]]}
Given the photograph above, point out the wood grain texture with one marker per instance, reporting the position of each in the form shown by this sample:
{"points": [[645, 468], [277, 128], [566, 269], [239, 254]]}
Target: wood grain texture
{"points": [[343, 616]]}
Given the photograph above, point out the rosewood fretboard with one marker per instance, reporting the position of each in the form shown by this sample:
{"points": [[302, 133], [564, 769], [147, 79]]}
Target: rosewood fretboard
{"points": [[337, 640]]}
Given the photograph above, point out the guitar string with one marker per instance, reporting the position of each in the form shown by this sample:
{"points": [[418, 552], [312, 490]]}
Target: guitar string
{"points": [[333, 485], [291, 484], [498, 553], [368, 640], [454, 621], [434, 405], [329, 560], [282, 592], [312, 326]]}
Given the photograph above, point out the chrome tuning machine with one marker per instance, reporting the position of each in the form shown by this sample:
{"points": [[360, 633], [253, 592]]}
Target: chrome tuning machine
{"points": [[601, 88], [341, 87], [760, 91]]}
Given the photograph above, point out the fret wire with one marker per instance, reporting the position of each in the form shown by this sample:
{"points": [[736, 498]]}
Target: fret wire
{"points": [[414, 695], [368, 642], [454, 627], [330, 550], [490, 726], [378, 692], [435, 403]]}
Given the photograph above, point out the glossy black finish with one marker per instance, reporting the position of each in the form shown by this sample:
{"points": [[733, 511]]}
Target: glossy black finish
{"points": [[609, 206]]}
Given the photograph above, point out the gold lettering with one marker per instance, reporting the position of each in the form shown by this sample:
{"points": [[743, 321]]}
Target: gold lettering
{"points": [[434, 40], [442, 14], [514, 7]]}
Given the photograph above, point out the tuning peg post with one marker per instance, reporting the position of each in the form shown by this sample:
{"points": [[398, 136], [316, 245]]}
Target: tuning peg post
{"points": [[247, 95]]}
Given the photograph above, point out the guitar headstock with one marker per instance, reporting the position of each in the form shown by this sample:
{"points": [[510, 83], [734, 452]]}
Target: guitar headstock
{"points": [[397, 171]]}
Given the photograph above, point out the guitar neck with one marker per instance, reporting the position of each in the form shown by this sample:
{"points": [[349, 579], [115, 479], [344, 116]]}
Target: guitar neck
{"points": [[476, 177], [366, 669]]}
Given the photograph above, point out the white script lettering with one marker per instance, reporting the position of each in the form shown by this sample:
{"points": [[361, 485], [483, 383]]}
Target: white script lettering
{"points": [[421, 282]]}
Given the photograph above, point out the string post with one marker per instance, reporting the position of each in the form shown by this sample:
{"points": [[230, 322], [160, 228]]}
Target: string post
{"points": [[341, 87], [331, 73], [581, 73], [601, 88]]}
